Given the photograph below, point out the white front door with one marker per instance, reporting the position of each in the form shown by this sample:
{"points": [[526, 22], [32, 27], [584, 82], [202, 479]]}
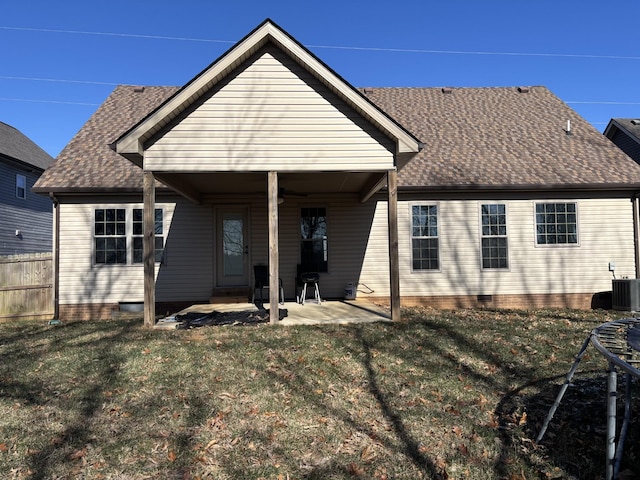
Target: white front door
{"points": [[232, 247]]}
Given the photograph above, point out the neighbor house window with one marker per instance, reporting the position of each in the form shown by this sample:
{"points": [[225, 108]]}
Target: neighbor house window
{"points": [[118, 235], [110, 234], [424, 237], [556, 223], [21, 186], [494, 236], [138, 231], [313, 239]]}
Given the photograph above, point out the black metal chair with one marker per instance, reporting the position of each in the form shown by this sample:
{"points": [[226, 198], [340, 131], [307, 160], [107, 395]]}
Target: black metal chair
{"points": [[261, 281], [304, 278]]}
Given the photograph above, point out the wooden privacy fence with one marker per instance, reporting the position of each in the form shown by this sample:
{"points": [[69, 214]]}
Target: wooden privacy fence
{"points": [[26, 286]]}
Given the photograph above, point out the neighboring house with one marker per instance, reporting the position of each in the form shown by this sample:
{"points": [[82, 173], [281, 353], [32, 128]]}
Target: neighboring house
{"points": [[450, 197], [625, 133], [25, 218]]}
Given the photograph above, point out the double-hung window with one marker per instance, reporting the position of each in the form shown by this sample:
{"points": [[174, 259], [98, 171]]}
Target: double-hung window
{"points": [[424, 237], [557, 223], [495, 251], [21, 186], [313, 238], [138, 232], [110, 235], [118, 235]]}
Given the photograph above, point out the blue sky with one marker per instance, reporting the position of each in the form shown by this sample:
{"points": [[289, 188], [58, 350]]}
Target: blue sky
{"points": [[60, 60]]}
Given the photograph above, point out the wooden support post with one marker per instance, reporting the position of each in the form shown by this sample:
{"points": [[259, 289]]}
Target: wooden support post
{"points": [[149, 248], [394, 265], [274, 258]]}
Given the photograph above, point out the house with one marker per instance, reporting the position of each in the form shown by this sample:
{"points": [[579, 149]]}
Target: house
{"points": [[26, 218], [625, 133], [450, 197]]}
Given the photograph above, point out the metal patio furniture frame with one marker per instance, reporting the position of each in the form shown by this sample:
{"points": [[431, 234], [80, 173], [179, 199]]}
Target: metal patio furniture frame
{"points": [[614, 341]]}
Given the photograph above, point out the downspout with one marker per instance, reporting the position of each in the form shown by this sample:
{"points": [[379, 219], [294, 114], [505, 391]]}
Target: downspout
{"points": [[56, 256], [636, 230]]}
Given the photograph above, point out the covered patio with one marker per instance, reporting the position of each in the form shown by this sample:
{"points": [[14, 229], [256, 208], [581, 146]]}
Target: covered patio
{"points": [[265, 119], [336, 312]]}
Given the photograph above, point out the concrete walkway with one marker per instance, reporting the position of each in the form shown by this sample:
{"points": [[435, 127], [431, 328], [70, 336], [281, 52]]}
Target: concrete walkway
{"points": [[328, 312]]}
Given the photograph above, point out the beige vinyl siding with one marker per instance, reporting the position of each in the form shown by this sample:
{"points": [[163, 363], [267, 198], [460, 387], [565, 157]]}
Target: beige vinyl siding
{"points": [[605, 235], [272, 116], [348, 223], [186, 274]]}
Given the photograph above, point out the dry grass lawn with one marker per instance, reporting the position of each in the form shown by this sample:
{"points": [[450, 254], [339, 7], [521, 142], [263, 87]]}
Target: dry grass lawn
{"points": [[456, 394]]}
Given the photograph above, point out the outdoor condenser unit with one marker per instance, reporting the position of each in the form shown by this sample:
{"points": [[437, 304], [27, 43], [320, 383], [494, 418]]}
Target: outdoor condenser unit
{"points": [[626, 295]]}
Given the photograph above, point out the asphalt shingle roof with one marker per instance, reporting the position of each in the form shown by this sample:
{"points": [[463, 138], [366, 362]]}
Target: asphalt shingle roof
{"points": [[474, 138], [502, 137], [87, 163], [17, 146]]}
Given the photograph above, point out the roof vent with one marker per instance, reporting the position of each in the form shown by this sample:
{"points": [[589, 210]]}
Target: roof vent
{"points": [[635, 122], [568, 130], [367, 91], [138, 89], [523, 89], [447, 90]]}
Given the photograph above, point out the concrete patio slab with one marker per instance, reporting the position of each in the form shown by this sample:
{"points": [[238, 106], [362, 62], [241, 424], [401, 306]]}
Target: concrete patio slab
{"points": [[328, 312]]}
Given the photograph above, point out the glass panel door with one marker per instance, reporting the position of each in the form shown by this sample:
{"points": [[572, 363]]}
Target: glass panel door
{"points": [[233, 247]]}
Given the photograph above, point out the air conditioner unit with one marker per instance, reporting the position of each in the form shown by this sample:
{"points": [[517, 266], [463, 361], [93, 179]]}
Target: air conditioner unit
{"points": [[626, 295]]}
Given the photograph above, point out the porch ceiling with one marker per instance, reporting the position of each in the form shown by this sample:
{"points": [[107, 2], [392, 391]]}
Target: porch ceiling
{"points": [[256, 183]]}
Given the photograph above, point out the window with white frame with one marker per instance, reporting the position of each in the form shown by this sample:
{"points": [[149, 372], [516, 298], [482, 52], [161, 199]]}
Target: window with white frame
{"points": [[138, 231], [557, 223], [495, 251], [21, 186], [118, 235], [424, 237], [110, 235]]}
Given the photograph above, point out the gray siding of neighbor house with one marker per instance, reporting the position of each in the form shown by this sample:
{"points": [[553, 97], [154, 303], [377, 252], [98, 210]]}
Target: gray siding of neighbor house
{"points": [[31, 216], [627, 144]]}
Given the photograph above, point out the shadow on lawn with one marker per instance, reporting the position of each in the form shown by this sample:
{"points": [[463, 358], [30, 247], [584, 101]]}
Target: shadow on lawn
{"points": [[102, 359], [575, 439]]}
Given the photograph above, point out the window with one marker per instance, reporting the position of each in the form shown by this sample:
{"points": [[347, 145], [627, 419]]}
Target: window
{"points": [[495, 253], [21, 186], [110, 235], [138, 230], [424, 237], [119, 230], [556, 223], [313, 238]]}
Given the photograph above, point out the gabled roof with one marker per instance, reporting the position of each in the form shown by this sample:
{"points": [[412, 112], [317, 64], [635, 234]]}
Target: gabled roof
{"points": [[493, 138], [131, 143], [15, 146], [631, 126], [503, 138]]}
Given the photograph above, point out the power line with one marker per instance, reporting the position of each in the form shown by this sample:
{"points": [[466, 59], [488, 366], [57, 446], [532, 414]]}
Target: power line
{"points": [[335, 47], [112, 34], [93, 82], [603, 103], [29, 100], [58, 80]]}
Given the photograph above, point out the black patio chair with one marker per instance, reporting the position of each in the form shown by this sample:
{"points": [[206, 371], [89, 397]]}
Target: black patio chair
{"points": [[261, 281]]}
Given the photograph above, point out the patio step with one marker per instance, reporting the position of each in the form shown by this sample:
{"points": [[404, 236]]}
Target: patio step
{"points": [[230, 295]]}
